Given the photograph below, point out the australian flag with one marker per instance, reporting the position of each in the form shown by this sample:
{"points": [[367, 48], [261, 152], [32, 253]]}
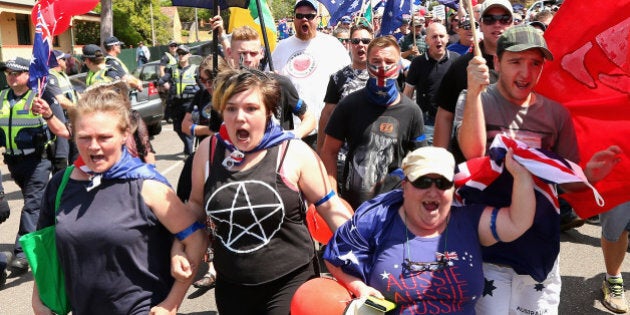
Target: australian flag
{"points": [[42, 48], [392, 15], [339, 8], [485, 180]]}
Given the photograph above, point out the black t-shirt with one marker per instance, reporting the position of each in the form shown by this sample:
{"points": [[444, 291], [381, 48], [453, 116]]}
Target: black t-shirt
{"points": [[425, 74], [290, 101], [378, 137], [456, 79], [208, 116]]}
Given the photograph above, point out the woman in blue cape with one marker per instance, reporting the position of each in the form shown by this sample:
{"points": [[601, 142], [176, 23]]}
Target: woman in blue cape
{"points": [[116, 219]]}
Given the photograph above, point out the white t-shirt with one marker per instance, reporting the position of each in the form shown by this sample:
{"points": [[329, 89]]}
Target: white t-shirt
{"points": [[309, 65]]}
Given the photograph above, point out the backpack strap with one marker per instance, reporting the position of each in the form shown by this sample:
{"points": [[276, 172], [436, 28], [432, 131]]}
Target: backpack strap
{"points": [[62, 186]]}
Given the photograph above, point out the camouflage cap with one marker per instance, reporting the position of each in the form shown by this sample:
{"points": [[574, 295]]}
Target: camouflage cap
{"points": [[520, 38]]}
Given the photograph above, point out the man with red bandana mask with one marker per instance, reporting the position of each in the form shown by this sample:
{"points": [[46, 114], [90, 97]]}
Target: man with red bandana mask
{"points": [[380, 125], [308, 58]]}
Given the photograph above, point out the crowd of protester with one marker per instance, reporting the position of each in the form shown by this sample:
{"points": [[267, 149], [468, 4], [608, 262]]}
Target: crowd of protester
{"points": [[347, 121]]}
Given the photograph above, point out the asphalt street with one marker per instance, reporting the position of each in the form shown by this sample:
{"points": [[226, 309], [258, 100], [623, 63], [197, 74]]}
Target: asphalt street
{"points": [[581, 261]]}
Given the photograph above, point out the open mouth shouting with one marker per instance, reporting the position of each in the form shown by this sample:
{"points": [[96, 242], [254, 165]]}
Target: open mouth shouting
{"points": [[242, 135], [430, 205]]}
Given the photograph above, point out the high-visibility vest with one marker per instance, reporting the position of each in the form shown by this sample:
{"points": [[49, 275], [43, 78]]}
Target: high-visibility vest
{"points": [[98, 76], [23, 132], [110, 57], [64, 85], [185, 83], [171, 59]]}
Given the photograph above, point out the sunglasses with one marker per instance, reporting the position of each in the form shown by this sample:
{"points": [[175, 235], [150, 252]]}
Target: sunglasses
{"points": [[172, 46], [467, 26], [490, 19], [364, 41], [344, 40], [425, 182], [182, 53], [205, 80], [13, 73], [309, 16]]}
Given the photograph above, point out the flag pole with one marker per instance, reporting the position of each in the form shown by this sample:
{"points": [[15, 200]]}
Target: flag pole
{"points": [[471, 14], [215, 43], [261, 18]]}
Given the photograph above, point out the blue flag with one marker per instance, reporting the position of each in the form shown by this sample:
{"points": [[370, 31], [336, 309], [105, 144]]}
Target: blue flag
{"points": [[42, 48], [340, 8], [392, 15], [453, 4]]}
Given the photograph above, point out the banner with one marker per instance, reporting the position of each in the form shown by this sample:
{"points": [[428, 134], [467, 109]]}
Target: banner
{"points": [[590, 75]]}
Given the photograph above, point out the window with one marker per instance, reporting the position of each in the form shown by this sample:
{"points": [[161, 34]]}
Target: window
{"points": [[23, 25]]}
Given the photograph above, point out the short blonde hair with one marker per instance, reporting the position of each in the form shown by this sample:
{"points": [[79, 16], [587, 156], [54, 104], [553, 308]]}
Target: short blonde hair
{"points": [[109, 98], [231, 82]]}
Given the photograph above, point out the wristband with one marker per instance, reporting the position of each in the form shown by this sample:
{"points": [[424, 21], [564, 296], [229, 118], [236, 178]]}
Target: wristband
{"points": [[49, 117], [325, 198], [192, 129], [493, 224], [189, 230]]}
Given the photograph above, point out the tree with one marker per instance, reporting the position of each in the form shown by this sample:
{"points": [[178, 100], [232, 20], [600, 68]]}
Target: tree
{"points": [[107, 18]]}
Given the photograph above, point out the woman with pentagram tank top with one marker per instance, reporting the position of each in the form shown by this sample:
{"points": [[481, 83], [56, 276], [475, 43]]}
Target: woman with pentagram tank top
{"points": [[251, 179], [413, 247]]}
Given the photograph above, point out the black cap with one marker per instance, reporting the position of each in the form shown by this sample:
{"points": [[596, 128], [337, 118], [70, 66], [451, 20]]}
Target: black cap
{"points": [[111, 41], [183, 48], [92, 51], [17, 64], [172, 43]]}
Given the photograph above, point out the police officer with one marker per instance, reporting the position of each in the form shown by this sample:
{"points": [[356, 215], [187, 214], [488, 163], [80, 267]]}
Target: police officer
{"points": [[182, 83], [61, 88], [113, 47], [94, 59], [25, 136], [168, 60]]}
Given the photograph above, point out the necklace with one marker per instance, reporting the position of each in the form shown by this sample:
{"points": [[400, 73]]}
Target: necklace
{"points": [[443, 260]]}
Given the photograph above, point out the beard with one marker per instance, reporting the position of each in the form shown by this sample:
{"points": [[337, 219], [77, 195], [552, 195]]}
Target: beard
{"points": [[306, 32]]}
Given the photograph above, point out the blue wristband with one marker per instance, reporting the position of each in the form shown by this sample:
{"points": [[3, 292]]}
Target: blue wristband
{"points": [[325, 198], [192, 129], [189, 230], [493, 224]]}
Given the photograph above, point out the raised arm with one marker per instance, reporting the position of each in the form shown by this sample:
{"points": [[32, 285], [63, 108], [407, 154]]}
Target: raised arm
{"points": [[509, 223], [471, 135]]}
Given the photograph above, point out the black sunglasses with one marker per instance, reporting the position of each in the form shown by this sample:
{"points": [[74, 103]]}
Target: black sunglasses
{"points": [[309, 16], [490, 19], [343, 40], [425, 182], [467, 26], [364, 41]]}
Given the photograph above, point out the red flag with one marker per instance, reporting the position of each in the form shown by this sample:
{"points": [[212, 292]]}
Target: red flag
{"points": [[58, 13], [590, 75]]}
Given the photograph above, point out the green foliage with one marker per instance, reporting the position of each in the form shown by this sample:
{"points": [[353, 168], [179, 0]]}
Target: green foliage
{"points": [[281, 8], [86, 32]]}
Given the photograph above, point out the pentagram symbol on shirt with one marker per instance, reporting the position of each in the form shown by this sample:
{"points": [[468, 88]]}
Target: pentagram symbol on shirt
{"points": [[255, 213]]}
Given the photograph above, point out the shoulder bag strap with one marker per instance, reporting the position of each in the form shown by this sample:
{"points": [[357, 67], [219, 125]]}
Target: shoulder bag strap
{"points": [[62, 186]]}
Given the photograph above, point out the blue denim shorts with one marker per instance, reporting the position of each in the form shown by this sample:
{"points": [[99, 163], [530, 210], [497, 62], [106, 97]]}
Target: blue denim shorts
{"points": [[615, 221]]}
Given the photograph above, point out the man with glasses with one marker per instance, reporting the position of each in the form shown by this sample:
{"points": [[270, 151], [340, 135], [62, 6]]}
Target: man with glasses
{"points": [[410, 49], [496, 17], [343, 35], [426, 72], [182, 85], [25, 137], [113, 47], [168, 60], [343, 82], [465, 35], [380, 125], [308, 58]]}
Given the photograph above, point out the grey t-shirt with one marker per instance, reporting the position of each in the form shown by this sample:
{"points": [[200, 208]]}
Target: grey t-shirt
{"points": [[544, 124]]}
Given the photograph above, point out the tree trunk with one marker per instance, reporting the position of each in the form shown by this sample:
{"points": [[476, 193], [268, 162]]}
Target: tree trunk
{"points": [[107, 14]]}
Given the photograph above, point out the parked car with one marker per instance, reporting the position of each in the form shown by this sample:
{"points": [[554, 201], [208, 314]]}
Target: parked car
{"points": [[148, 102]]}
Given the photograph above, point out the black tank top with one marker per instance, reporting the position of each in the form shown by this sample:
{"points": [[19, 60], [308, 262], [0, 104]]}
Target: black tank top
{"points": [[258, 227]]}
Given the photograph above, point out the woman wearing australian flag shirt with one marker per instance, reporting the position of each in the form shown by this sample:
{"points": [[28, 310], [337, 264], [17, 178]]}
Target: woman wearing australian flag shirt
{"points": [[412, 247], [250, 178]]}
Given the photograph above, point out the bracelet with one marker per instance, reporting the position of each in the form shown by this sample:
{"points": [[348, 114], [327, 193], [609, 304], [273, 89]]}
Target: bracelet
{"points": [[49, 117], [189, 230], [192, 129], [493, 224], [325, 198]]}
